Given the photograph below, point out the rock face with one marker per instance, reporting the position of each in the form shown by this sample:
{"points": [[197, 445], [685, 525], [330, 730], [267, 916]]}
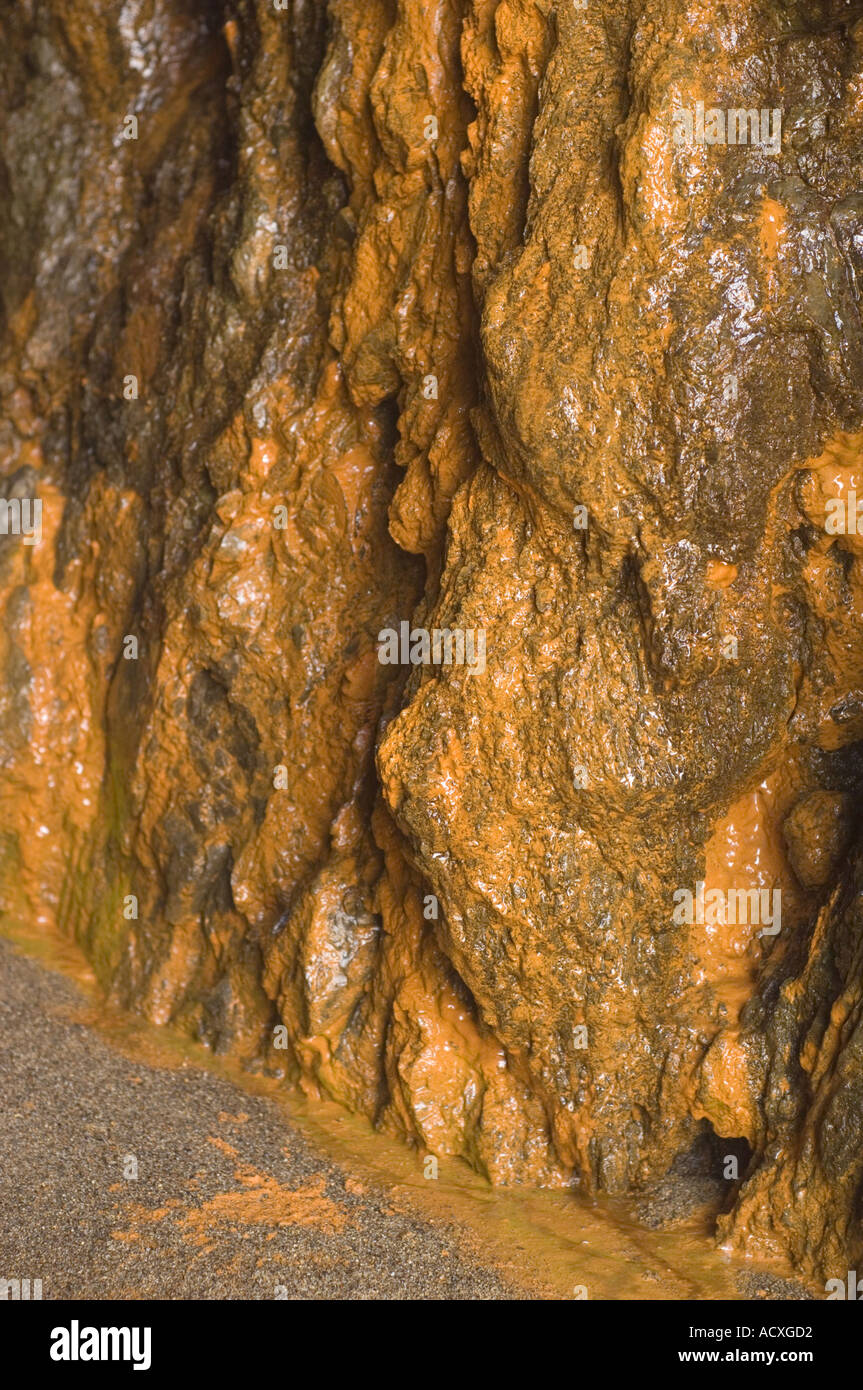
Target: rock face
{"points": [[327, 329]]}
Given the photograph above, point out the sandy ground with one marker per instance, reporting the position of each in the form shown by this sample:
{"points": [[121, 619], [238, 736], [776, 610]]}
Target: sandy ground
{"points": [[124, 1180], [230, 1201]]}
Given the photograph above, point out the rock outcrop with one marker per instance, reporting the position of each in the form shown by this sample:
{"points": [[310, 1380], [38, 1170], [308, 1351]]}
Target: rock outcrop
{"points": [[438, 674]]}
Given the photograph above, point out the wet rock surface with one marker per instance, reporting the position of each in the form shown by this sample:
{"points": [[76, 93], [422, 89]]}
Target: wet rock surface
{"points": [[323, 319]]}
